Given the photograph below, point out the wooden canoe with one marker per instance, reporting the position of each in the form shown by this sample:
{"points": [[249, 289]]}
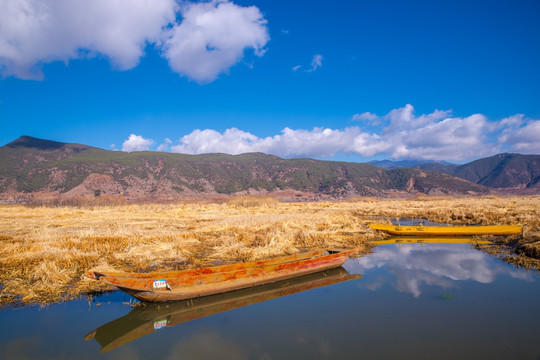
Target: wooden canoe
{"points": [[193, 283], [144, 320], [419, 230]]}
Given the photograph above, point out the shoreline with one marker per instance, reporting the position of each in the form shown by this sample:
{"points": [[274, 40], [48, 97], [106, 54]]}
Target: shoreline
{"points": [[45, 249]]}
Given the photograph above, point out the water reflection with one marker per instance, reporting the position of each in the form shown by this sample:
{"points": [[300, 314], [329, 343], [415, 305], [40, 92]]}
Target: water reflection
{"points": [[430, 240], [409, 267], [493, 314], [207, 345], [144, 320]]}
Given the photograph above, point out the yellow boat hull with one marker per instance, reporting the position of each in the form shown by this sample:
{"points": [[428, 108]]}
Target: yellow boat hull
{"points": [[429, 240], [419, 230]]}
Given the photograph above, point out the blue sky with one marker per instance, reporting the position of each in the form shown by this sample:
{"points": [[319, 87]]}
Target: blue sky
{"points": [[347, 80]]}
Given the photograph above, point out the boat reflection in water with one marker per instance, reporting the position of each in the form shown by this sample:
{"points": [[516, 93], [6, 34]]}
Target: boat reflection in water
{"points": [[430, 240], [147, 318]]}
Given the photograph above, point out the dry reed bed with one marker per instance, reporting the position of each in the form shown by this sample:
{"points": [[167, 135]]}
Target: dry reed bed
{"points": [[45, 250]]}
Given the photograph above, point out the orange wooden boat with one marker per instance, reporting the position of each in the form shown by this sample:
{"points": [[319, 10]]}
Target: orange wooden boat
{"points": [[193, 283], [144, 320]]}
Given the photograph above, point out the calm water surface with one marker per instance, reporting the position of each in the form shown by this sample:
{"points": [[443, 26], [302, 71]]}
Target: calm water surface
{"points": [[412, 301]]}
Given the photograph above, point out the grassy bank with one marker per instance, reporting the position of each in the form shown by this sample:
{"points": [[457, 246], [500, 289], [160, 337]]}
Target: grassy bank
{"points": [[44, 250]]}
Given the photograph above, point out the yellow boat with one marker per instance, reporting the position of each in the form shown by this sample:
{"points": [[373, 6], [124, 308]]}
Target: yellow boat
{"points": [[420, 230], [429, 240]]}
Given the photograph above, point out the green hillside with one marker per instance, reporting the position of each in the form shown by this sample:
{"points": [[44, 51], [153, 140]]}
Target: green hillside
{"points": [[503, 171], [29, 165]]}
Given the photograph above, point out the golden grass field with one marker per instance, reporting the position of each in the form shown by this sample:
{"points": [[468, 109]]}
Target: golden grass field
{"points": [[44, 250]]}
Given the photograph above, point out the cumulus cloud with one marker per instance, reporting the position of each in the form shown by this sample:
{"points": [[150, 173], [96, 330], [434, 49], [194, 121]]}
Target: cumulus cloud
{"points": [[435, 136], [318, 142], [402, 135], [165, 145], [232, 141], [463, 137], [526, 139], [36, 32], [512, 121], [521, 134], [136, 143], [211, 37], [405, 119]]}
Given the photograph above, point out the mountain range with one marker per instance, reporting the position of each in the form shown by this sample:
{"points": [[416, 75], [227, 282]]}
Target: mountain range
{"points": [[32, 168], [502, 171]]}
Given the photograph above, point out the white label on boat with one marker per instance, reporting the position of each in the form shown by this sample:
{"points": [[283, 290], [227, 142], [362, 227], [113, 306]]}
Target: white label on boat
{"points": [[160, 284], [160, 324]]}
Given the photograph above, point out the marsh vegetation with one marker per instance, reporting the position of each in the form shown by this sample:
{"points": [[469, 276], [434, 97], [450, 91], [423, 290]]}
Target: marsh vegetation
{"points": [[45, 249]]}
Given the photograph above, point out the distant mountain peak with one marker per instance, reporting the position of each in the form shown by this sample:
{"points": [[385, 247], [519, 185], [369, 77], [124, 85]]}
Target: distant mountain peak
{"points": [[396, 164], [507, 170], [32, 142]]}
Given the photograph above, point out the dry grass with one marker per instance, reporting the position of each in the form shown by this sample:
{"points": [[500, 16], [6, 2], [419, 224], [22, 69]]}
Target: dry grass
{"points": [[44, 250]]}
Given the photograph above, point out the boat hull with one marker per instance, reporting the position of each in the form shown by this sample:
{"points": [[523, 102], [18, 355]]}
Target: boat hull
{"points": [[430, 240], [187, 284], [144, 320], [448, 230]]}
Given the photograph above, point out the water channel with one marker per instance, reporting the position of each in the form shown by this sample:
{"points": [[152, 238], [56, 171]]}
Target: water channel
{"points": [[405, 300]]}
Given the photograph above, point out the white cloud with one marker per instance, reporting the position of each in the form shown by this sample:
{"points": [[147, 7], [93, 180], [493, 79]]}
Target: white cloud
{"points": [[367, 145], [318, 142], [513, 121], [36, 32], [232, 141], [210, 39], [449, 138], [136, 143], [316, 62], [434, 136], [523, 139], [367, 116], [165, 145], [404, 118], [402, 135]]}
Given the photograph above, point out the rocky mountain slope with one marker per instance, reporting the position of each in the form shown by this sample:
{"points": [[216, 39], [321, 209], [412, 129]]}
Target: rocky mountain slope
{"points": [[502, 171], [31, 167]]}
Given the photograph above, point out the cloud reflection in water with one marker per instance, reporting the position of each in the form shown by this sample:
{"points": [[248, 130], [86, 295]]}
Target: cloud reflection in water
{"points": [[409, 266]]}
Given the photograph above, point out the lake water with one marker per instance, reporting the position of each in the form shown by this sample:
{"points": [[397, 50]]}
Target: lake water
{"points": [[412, 301]]}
